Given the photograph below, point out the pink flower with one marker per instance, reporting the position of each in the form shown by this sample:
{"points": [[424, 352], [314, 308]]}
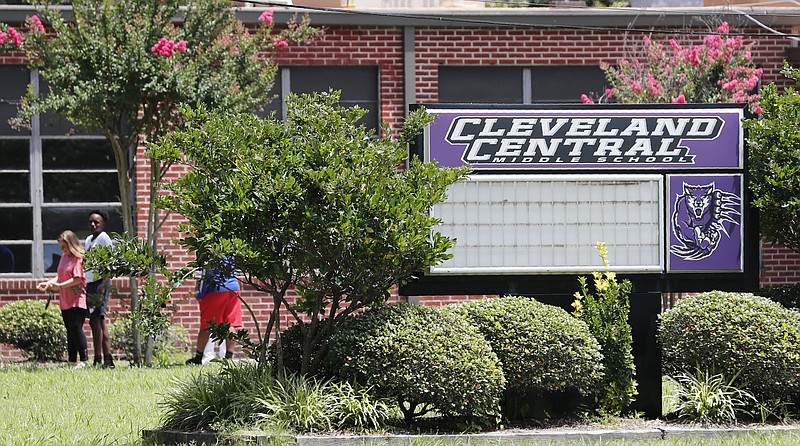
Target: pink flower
{"points": [[635, 86], [751, 82], [586, 99], [281, 44], [756, 107], [693, 56], [3, 38], [680, 99], [609, 92], [714, 41], [266, 17], [730, 85], [740, 96], [724, 28], [37, 25], [164, 47], [15, 36], [653, 86]]}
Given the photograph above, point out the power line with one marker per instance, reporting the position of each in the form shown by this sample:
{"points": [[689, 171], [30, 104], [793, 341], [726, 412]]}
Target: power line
{"points": [[484, 22]]}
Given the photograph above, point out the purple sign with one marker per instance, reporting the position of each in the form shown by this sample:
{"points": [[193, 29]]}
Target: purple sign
{"points": [[586, 138], [705, 223]]}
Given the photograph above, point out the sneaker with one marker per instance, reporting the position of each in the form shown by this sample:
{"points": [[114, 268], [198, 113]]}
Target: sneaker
{"points": [[81, 365], [195, 361]]}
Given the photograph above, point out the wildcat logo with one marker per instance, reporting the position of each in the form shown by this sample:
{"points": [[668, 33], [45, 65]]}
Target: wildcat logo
{"points": [[699, 219]]}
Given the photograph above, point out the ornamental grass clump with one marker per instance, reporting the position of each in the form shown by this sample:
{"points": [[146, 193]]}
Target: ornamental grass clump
{"points": [[710, 398], [735, 334], [306, 404], [606, 313], [241, 394]]}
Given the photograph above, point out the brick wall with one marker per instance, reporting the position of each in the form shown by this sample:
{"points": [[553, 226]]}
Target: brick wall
{"points": [[779, 265], [382, 46]]}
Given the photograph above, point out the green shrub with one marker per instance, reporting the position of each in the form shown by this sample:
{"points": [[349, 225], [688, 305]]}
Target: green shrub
{"points": [[735, 334], [166, 348], [39, 333], [542, 348], [425, 359], [292, 343], [606, 313], [787, 295]]}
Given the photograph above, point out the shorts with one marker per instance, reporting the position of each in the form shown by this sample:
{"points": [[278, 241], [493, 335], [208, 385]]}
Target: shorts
{"points": [[221, 306], [97, 303]]}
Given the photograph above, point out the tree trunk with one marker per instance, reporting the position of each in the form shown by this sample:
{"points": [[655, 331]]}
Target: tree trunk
{"points": [[122, 149]]}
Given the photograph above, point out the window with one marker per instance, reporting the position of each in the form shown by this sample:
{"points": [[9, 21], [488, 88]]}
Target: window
{"points": [[480, 84], [358, 86], [518, 85], [51, 176]]}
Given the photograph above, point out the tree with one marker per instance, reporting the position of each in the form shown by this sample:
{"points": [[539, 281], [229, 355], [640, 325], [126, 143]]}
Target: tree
{"points": [[313, 203], [721, 69], [121, 67], [775, 163]]}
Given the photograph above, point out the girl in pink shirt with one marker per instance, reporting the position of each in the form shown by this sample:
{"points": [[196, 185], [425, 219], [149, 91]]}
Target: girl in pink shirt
{"points": [[71, 286]]}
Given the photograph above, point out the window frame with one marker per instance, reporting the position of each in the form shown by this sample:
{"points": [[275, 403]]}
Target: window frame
{"points": [[285, 86], [527, 79], [37, 202]]}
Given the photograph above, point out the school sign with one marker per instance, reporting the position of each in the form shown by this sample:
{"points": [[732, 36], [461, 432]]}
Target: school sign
{"points": [[663, 186]]}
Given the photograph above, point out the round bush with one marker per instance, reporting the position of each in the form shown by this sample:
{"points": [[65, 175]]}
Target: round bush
{"points": [[542, 348], [292, 343], [39, 333], [165, 347], [735, 333], [787, 295], [420, 356]]}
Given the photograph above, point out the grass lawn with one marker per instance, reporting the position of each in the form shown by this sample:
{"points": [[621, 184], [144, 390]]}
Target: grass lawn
{"points": [[91, 406]]}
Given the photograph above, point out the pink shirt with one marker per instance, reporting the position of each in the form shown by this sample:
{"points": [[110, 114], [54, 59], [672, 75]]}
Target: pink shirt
{"points": [[69, 267]]}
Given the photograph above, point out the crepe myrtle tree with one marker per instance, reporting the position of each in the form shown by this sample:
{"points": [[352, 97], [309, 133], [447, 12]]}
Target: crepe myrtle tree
{"points": [[721, 69], [314, 203], [120, 67], [775, 163]]}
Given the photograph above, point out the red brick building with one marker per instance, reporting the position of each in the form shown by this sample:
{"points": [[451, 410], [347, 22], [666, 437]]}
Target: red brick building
{"points": [[382, 60]]}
